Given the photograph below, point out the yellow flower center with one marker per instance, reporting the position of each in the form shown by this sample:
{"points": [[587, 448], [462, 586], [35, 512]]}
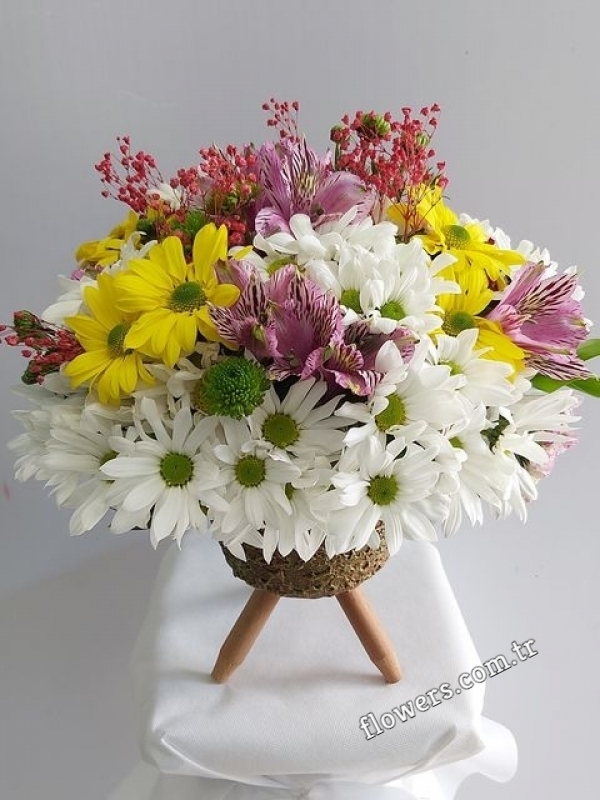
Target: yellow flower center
{"points": [[457, 237], [188, 297], [115, 339]]}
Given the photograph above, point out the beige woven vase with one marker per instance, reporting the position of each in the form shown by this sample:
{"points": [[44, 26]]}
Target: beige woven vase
{"points": [[320, 576]]}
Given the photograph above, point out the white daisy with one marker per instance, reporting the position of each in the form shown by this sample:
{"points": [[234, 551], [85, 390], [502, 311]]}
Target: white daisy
{"points": [[297, 424], [174, 386], [305, 529], [484, 380], [424, 395], [537, 420], [31, 445], [75, 451], [394, 485], [252, 483], [167, 472], [130, 249], [480, 476], [520, 491], [320, 252], [398, 289], [70, 302], [525, 439]]}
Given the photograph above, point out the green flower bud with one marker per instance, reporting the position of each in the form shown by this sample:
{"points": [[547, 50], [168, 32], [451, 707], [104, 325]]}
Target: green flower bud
{"points": [[232, 388]]}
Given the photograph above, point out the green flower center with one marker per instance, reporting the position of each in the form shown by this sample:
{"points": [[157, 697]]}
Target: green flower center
{"points": [[458, 321], [250, 471], [107, 457], [457, 237], [232, 388], [351, 299], [455, 369], [392, 310], [394, 414], [281, 430], [176, 469], [188, 297], [383, 490], [455, 442], [116, 337]]}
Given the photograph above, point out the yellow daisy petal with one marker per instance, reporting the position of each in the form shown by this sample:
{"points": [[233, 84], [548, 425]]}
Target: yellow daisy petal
{"points": [[142, 330], [86, 366], [87, 328], [187, 332], [172, 352], [126, 227], [210, 246], [107, 385], [492, 335], [164, 340], [101, 301], [136, 294], [173, 253], [225, 295], [206, 326], [144, 374]]}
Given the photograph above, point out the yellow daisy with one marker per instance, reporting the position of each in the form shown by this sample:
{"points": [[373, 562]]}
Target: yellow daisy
{"points": [[171, 297], [468, 243], [104, 252], [107, 366], [462, 311]]}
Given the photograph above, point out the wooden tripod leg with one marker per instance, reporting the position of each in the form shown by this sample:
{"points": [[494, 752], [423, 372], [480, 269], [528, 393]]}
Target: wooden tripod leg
{"points": [[242, 636], [371, 633]]}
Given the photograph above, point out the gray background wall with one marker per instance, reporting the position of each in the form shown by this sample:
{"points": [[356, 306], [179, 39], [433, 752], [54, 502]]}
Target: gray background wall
{"points": [[518, 87]]}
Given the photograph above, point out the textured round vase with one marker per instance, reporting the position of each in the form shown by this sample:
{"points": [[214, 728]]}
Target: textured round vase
{"points": [[320, 576]]}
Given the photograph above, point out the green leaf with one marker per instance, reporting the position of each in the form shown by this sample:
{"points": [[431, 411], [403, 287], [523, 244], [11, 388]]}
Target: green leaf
{"points": [[547, 384], [589, 349], [589, 386]]}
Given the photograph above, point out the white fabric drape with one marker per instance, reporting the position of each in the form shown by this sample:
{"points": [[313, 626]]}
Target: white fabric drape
{"points": [[286, 725]]}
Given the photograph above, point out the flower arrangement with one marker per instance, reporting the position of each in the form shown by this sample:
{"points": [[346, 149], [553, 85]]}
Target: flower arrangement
{"points": [[296, 351]]}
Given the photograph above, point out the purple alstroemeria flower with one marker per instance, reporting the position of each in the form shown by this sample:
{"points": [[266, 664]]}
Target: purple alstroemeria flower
{"points": [[289, 323], [542, 316], [295, 180]]}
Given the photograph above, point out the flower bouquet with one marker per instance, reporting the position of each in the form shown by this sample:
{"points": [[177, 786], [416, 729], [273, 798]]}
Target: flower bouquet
{"points": [[309, 357]]}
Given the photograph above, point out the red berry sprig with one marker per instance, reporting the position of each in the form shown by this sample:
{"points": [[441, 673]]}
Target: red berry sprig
{"points": [[231, 186], [129, 177], [393, 156], [284, 117], [46, 346]]}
